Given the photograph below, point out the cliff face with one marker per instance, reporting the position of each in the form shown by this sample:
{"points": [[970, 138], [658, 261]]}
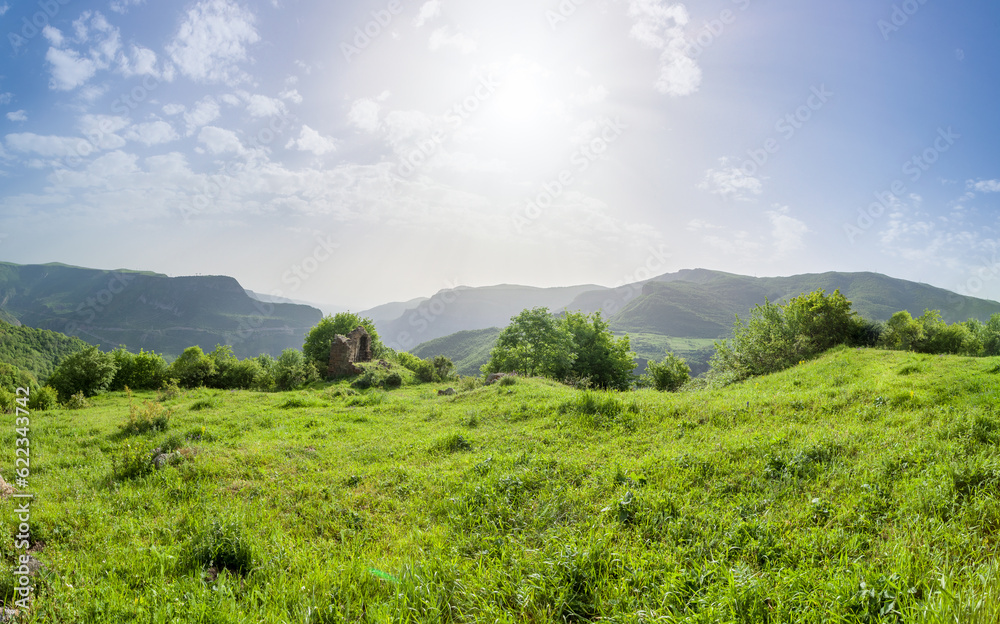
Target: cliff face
{"points": [[150, 311]]}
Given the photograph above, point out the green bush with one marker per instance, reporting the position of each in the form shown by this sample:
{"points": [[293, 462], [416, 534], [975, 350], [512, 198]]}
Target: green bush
{"points": [[668, 375], [193, 368], [139, 371], [44, 399], [89, 371], [148, 417], [8, 401], [77, 401], [316, 347], [134, 460], [291, 371]]}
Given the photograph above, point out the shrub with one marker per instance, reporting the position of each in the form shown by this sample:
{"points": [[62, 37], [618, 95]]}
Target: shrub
{"points": [[193, 368], [139, 371], [77, 401], [508, 380], [291, 370], [43, 399], [8, 401], [408, 360], [465, 384], [149, 417], [668, 375], [170, 390], [452, 443], [88, 371], [134, 460]]}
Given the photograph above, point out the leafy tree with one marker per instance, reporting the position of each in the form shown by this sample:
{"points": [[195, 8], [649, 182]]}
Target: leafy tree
{"points": [[292, 370], [776, 337], [12, 378], [316, 347], [533, 344], [903, 332], [138, 371], [440, 368], [603, 360], [193, 368], [223, 364], [821, 321], [668, 375], [89, 371], [43, 399], [991, 336]]}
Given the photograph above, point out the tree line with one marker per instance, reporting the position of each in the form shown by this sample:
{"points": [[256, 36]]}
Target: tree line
{"points": [[571, 347]]}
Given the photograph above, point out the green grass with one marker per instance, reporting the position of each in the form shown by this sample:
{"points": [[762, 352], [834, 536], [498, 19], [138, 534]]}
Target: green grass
{"points": [[863, 486]]}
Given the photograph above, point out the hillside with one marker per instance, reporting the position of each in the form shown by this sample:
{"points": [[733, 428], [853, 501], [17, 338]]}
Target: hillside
{"points": [[468, 350], [465, 308], [863, 486], [686, 311], [150, 311], [37, 351]]}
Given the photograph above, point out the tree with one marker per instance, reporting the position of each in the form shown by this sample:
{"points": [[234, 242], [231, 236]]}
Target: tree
{"points": [[12, 378], [902, 332], [668, 375], [193, 368], [776, 337], [316, 347], [991, 336], [89, 371], [138, 371], [603, 360], [292, 370], [533, 344]]}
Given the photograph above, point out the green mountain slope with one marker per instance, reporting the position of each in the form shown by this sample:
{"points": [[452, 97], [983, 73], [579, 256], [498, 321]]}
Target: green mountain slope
{"points": [[37, 351], [150, 311], [686, 311], [469, 350], [465, 308]]}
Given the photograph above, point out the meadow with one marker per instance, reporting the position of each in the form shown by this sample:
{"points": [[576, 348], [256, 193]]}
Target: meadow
{"points": [[862, 486]]}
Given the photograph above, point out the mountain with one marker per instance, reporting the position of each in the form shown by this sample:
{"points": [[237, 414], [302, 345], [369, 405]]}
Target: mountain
{"points": [[37, 351], [465, 308], [149, 310], [687, 311], [468, 350]]}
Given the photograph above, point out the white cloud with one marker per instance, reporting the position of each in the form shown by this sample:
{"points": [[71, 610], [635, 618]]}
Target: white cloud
{"points": [[660, 26], [444, 37], [4, 8], [48, 146], [731, 183], [985, 186], [311, 141], [428, 11], [54, 35], [100, 130], [17, 116], [364, 115], [204, 112], [173, 109], [5, 98], [121, 6], [787, 231], [212, 41], [69, 69], [219, 140], [143, 62], [152, 133], [292, 95], [263, 106]]}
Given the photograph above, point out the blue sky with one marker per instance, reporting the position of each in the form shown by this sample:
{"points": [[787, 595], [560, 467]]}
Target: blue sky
{"points": [[355, 153]]}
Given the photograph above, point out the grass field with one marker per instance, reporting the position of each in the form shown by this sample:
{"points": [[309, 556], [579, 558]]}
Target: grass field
{"points": [[860, 487]]}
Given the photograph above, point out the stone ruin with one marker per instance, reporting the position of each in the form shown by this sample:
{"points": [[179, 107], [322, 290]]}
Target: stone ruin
{"points": [[346, 351]]}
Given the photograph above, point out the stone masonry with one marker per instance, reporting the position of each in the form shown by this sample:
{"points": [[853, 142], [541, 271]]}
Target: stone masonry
{"points": [[346, 351]]}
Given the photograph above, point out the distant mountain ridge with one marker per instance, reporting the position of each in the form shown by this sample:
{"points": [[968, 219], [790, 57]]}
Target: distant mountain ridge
{"points": [[150, 311], [687, 310]]}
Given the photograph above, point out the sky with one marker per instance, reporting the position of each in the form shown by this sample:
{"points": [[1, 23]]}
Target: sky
{"points": [[353, 153]]}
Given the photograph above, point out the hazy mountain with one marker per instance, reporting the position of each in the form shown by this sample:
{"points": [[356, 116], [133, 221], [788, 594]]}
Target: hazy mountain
{"points": [[465, 308], [150, 311], [686, 311]]}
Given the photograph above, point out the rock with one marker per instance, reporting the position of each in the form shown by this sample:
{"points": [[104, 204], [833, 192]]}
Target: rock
{"points": [[346, 351], [495, 377], [448, 392]]}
